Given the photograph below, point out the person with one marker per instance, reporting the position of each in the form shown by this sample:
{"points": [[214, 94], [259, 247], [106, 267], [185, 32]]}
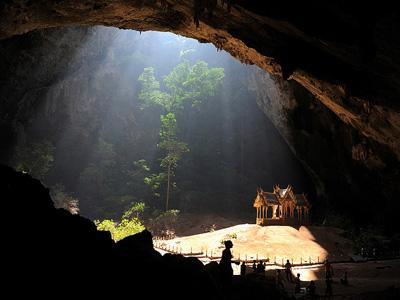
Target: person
{"points": [[288, 271], [344, 280], [243, 269], [279, 279], [297, 286], [311, 288], [328, 269], [225, 264], [260, 267], [254, 266]]}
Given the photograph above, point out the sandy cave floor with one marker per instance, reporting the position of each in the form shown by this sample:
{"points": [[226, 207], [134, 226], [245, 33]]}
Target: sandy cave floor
{"points": [[285, 242]]}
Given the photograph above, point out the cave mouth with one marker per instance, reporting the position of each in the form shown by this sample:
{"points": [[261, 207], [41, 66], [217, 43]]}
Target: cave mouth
{"points": [[81, 128]]}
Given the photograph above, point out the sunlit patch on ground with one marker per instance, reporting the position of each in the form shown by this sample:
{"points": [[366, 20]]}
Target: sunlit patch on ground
{"points": [[276, 243]]}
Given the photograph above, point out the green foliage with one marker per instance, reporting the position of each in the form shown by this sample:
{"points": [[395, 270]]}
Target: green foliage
{"points": [[150, 93], [185, 83], [35, 158], [227, 237], [169, 142], [192, 83], [135, 210], [127, 226], [154, 181], [142, 164]]}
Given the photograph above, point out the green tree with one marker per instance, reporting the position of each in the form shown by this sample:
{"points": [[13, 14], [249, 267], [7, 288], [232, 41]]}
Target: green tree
{"points": [[184, 84], [174, 149]]}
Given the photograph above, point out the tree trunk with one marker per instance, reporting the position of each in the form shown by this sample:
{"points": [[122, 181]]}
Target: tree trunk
{"points": [[168, 186]]}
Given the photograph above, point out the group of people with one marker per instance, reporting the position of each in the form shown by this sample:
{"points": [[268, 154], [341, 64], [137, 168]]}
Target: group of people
{"points": [[311, 287], [227, 274]]}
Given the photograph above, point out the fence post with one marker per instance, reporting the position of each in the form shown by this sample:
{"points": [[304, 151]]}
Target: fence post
{"points": [[309, 260], [318, 259], [301, 260], [191, 250], [292, 261], [275, 260]]}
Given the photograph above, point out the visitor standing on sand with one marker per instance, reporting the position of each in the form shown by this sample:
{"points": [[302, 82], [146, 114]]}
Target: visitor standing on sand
{"points": [[225, 264], [288, 271]]}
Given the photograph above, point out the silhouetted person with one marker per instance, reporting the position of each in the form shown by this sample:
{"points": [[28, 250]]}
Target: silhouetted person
{"points": [[297, 286], [243, 269], [260, 267], [254, 267], [344, 280], [279, 279], [328, 289], [328, 269], [288, 271], [225, 264], [311, 289]]}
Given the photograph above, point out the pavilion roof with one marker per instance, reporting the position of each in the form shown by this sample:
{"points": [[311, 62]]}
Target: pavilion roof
{"points": [[270, 198]]}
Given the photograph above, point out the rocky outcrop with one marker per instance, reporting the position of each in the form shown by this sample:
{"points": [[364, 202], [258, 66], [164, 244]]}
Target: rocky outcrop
{"points": [[52, 252], [49, 249]]}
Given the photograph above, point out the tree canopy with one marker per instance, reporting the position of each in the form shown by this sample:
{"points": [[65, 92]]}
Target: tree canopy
{"points": [[185, 84]]}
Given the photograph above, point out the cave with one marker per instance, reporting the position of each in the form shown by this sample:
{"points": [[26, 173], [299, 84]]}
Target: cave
{"points": [[324, 79]]}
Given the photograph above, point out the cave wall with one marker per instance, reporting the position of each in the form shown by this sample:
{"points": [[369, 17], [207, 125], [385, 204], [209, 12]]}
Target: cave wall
{"points": [[354, 176]]}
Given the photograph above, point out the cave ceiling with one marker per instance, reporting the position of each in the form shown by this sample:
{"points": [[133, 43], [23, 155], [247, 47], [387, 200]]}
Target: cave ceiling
{"points": [[344, 52]]}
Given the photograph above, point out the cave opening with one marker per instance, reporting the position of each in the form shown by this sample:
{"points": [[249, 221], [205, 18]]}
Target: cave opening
{"points": [[81, 128]]}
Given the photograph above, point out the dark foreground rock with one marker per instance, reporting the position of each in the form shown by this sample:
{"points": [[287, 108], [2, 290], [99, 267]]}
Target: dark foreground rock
{"points": [[49, 252]]}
